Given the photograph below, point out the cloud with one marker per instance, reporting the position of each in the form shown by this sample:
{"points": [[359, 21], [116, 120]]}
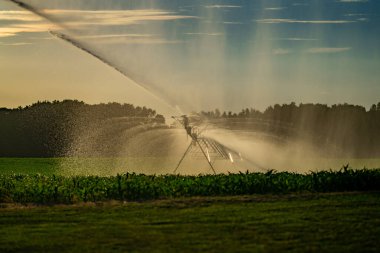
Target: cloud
{"points": [[218, 6], [129, 39], [107, 36], [361, 17], [232, 23], [294, 21], [296, 39], [21, 22], [353, 1], [274, 9], [27, 22], [114, 17], [206, 34], [327, 50], [355, 14], [18, 16], [6, 33], [15, 29], [138, 40]]}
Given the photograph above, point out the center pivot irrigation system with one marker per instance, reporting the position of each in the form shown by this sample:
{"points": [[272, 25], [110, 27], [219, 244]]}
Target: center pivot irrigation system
{"points": [[201, 146]]}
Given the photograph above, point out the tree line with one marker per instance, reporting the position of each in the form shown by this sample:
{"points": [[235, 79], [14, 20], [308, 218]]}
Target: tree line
{"points": [[46, 129], [349, 129]]}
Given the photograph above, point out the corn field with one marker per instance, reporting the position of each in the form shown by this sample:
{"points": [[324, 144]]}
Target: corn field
{"points": [[42, 189]]}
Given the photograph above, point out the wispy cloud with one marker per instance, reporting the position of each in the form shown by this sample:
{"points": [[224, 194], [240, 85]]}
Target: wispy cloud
{"points": [[292, 21], [362, 17], [137, 40], [129, 38], [15, 29], [26, 22], [18, 16], [295, 39], [353, 1], [205, 34], [221, 6], [327, 50], [355, 14], [115, 17], [6, 33], [107, 36], [274, 8], [232, 23]]}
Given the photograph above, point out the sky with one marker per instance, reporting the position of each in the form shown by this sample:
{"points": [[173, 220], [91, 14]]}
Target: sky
{"points": [[184, 55]]}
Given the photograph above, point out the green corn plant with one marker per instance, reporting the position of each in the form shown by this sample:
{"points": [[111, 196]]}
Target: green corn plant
{"points": [[59, 189]]}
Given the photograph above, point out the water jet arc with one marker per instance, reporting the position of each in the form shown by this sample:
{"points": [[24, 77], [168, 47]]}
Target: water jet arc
{"points": [[80, 46], [131, 77]]}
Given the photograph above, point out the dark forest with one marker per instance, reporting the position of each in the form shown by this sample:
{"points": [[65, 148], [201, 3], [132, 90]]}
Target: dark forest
{"points": [[46, 129]]}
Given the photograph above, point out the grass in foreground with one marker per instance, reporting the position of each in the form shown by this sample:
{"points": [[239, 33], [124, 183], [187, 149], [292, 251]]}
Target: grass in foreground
{"points": [[295, 223], [45, 166]]}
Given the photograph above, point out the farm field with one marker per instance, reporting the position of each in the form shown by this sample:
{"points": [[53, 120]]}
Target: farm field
{"points": [[348, 222], [42, 189], [149, 165], [77, 166], [189, 126], [46, 166], [44, 209]]}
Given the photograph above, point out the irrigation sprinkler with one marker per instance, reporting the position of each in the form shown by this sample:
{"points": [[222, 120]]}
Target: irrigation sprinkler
{"points": [[206, 147], [201, 146]]}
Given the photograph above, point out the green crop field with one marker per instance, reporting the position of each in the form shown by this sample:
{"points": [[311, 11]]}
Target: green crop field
{"points": [[101, 166], [46, 166], [53, 189], [258, 223], [44, 209]]}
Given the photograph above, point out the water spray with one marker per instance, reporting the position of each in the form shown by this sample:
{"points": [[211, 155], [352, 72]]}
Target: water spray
{"points": [[207, 145], [204, 146], [80, 46], [131, 77], [35, 11]]}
